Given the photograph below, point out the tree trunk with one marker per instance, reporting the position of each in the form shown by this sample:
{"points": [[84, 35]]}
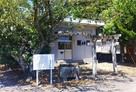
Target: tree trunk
{"points": [[36, 24], [50, 16], [21, 62], [122, 52]]}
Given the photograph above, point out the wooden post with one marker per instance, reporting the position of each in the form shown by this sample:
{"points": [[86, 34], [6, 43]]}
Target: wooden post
{"points": [[94, 63], [114, 59]]}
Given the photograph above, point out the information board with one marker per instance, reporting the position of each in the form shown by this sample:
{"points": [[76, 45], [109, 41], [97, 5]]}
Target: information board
{"points": [[43, 61]]}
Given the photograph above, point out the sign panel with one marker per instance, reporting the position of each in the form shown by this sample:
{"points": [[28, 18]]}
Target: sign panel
{"points": [[43, 61]]}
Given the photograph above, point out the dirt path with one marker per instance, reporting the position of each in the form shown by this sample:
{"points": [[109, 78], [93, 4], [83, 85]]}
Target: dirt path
{"points": [[106, 82], [120, 84], [114, 84]]}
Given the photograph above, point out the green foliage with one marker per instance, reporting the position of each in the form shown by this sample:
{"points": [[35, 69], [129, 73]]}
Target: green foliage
{"points": [[90, 9], [27, 27], [121, 18], [119, 15], [109, 29], [46, 50]]}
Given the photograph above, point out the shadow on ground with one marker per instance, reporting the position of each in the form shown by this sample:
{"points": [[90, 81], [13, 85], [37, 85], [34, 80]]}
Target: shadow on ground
{"points": [[13, 78]]}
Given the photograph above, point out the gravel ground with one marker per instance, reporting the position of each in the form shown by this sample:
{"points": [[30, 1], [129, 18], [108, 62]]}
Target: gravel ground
{"points": [[112, 84], [106, 82]]}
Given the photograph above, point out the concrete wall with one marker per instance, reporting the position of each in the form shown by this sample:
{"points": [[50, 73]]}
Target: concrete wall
{"points": [[54, 49], [81, 51]]}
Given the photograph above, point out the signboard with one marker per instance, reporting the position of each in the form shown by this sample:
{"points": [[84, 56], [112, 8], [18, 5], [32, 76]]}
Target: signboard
{"points": [[43, 61]]}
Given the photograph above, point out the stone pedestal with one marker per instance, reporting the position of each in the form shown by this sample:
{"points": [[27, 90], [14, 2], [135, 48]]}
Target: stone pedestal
{"points": [[68, 71]]}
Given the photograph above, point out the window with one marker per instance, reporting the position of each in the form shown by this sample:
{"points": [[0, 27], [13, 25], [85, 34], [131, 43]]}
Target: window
{"points": [[64, 45], [68, 45], [60, 45], [79, 42]]}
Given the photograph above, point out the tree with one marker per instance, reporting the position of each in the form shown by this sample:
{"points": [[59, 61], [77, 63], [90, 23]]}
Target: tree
{"points": [[16, 35], [90, 9], [121, 18], [27, 27], [122, 14]]}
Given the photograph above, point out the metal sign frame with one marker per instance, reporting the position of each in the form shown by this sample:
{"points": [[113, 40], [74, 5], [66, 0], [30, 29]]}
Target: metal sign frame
{"points": [[43, 62]]}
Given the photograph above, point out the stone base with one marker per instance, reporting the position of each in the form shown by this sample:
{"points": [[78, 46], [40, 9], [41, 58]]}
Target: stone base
{"points": [[68, 71]]}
